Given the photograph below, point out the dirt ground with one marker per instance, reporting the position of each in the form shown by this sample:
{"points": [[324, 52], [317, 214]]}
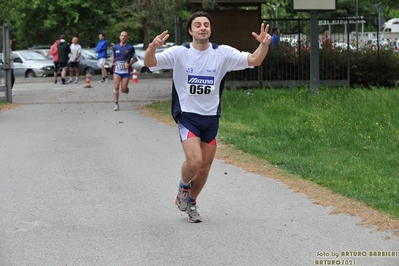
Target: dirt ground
{"points": [[319, 195]]}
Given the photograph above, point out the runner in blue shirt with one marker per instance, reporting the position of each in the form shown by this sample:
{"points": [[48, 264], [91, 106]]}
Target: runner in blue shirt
{"points": [[123, 58]]}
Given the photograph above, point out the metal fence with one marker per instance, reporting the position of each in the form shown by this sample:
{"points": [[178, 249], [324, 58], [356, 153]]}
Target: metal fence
{"points": [[288, 64]]}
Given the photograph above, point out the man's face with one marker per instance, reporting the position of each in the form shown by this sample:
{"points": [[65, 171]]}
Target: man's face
{"points": [[123, 37], [200, 29], [100, 37], [74, 40]]}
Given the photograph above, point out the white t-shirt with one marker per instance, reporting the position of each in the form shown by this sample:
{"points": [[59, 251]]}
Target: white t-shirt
{"points": [[75, 50], [198, 75]]}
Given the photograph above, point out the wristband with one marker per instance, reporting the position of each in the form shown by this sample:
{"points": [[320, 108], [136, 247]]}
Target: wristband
{"points": [[265, 44]]}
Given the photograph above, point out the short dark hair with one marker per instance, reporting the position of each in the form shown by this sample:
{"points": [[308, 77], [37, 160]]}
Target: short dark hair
{"points": [[102, 33], [62, 36], [196, 15]]}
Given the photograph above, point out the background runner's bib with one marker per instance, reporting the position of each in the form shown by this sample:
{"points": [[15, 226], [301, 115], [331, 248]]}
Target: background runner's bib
{"points": [[120, 67]]}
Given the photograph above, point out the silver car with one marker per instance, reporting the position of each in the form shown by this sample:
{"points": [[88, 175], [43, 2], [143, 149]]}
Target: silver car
{"points": [[30, 64]]}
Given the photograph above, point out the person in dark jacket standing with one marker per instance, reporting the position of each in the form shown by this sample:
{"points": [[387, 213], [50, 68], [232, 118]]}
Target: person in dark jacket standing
{"points": [[63, 57]]}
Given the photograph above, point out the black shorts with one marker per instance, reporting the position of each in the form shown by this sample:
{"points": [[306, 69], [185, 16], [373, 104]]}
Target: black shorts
{"points": [[56, 66], [74, 64], [63, 65], [204, 127]]}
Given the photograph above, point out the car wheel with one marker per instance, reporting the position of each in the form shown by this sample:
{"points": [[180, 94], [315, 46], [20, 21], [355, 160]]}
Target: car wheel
{"points": [[145, 70], [90, 70], [30, 74]]}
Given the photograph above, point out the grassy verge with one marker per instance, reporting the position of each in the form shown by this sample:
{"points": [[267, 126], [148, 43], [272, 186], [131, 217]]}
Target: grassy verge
{"points": [[344, 140]]}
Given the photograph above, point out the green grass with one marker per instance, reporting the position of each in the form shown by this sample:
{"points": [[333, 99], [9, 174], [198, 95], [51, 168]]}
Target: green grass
{"points": [[344, 139]]}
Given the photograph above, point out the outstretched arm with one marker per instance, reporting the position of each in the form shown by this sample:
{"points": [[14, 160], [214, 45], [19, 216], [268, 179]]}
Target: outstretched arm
{"points": [[149, 58], [264, 38]]}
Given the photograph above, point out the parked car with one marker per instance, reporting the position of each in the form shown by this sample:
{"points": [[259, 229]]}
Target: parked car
{"points": [[395, 46], [140, 47], [343, 46], [40, 46], [372, 44], [88, 61], [28, 63]]}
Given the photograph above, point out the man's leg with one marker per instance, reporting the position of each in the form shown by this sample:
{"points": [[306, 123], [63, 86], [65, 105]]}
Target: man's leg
{"points": [[77, 74], [199, 158], [71, 67], [117, 80], [12, 78], [55, 72], [63, 74], [104, 73], [125, 83]]}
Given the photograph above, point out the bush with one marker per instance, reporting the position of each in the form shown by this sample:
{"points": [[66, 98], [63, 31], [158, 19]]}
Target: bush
{"points": [[375, 68]]}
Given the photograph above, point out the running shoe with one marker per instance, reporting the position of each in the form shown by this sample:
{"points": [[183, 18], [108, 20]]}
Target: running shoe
{"points": [[69, 81], [101, 81], [116, 107], [76, 80], [106, 80], [182, 198], [193, 215]]}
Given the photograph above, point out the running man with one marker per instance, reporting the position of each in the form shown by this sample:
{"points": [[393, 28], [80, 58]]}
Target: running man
{"points": [[123, 57], [198, 71]]}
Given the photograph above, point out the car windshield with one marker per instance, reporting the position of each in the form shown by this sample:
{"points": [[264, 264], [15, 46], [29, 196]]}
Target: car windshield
{"points": [[89, 54], [27, 55]]}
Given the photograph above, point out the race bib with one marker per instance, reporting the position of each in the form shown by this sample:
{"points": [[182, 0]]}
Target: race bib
{"points": [[120, 67], [200, 85]]}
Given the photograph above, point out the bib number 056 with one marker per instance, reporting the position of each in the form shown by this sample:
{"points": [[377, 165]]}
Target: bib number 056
{"points": [[200, 89]]}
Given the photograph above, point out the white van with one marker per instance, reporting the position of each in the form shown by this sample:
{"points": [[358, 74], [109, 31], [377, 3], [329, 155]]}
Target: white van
{"points": [[391, 25]]}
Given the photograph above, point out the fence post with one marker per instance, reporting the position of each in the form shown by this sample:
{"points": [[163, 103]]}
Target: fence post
{"points": [[314, 53], [178, 30], [6, 60]]}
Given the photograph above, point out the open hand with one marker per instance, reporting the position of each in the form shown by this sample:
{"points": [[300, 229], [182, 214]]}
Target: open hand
{"points": [[264, 36], [160, 39]]}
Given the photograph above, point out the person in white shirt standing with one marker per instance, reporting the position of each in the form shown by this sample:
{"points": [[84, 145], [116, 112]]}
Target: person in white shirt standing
{"points": [[76, 51]]}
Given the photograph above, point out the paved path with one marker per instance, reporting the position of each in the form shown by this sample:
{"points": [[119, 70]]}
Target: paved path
{"points": [[81, 184]]}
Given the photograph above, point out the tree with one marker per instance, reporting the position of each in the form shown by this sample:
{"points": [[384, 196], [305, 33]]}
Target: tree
{"points": [[40, 21], [146, 16]]}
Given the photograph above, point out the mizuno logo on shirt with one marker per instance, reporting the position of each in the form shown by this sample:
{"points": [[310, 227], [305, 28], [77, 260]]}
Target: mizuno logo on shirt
{"points": [[200, 80]]}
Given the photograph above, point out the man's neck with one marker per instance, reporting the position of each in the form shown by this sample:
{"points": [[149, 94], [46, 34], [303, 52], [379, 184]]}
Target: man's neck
{"points": [[201, 46]]}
